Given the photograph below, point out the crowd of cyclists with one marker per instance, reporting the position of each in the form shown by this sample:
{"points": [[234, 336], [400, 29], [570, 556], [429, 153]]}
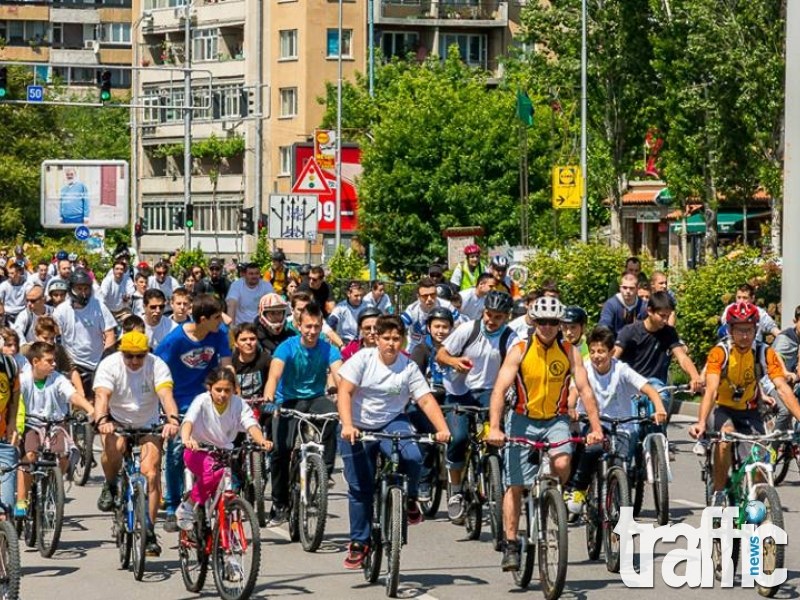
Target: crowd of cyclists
{"points": [[207, 357]]}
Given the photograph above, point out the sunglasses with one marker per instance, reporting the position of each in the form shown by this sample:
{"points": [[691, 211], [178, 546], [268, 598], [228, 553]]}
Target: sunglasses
{"points": [[548, 323], [431, 295], [131, 356], [156, 306]]}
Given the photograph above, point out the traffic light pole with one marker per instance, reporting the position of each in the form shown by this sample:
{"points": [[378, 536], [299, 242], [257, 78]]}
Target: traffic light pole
{"points": [[187, 122]]}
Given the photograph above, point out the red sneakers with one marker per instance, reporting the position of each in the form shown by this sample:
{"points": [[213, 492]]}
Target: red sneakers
{"points": [[413, 513], [356, 553]]}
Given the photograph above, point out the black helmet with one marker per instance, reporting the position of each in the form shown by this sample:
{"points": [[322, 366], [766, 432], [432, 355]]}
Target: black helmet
{"points": [[444, 291], [519, 309], [439, 312], [304, 270], [80, 277], [574, 314], [368, 313], [499, 301]]}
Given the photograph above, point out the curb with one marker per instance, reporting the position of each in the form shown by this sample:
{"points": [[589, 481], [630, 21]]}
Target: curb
{"points": [[682, 407]]}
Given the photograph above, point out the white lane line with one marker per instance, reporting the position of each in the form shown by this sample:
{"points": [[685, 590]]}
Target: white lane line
{"points": [[281, 533], [687, 503]]}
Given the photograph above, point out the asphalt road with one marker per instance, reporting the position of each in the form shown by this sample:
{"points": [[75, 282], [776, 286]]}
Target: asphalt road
{"points": [[438, 562]]}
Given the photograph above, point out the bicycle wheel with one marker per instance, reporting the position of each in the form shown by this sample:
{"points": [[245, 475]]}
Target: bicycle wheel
{"points": [[716, 546], [372, 562], [123, 538], [192, 553], [472, 499], [430, 507], [772, 554], [394, 543], [314, 512], [83, 436], [139, 533], [50, 512], [637, 475], [592, 515], [527, 549], [553, 545], [294, 504], [235, 550], [494, 498], [617, 495], [258, 485], [658, 454], [9, 561], [786, 456]]}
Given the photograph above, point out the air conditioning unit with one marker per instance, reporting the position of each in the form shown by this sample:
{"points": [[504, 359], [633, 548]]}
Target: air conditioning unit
{"points": [[89, 44]]}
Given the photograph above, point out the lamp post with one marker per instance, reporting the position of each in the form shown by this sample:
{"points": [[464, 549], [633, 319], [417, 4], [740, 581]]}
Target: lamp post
{"points": [[338, 230], [585, 178]]}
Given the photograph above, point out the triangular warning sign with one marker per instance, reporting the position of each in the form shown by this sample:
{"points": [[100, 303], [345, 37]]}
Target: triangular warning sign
{"points": [[311, 180]]}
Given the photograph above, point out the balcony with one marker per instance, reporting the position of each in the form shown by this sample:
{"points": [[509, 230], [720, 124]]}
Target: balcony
{"points": [[442, 13]]}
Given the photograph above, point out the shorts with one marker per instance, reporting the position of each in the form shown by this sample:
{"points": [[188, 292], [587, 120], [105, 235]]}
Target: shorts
{"points": [[518, 470], [743, 421], [31, 440]]}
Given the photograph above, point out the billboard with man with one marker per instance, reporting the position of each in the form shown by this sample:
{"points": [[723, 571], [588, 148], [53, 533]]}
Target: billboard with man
{"points": [[84, 192]]}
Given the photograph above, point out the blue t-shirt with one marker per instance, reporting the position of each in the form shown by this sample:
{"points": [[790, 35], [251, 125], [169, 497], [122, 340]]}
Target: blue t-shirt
{"points": [[305, 370], [74, 205], [190, 361]]}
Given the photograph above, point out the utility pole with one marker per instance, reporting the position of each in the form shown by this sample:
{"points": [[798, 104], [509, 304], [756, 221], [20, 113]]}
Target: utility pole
{"points": [[790, 286], [338, 231], [187, 121], [584, 174]]}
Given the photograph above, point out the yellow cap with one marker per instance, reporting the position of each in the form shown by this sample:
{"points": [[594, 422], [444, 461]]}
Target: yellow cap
{"points": [[134, 341]]}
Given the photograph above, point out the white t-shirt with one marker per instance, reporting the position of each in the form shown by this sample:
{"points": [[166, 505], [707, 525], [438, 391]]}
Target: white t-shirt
{"points": [[134, 401], [344, 318], [416, 321], [13, 296], [210, 427], [471, 305], [614, 390], [82, 330], [247, 299], [114, 292], [382, 391], [50, 403], [384, 304], [25, 325], [485, 356], [521, 328], [170, 284], [159, 332]]}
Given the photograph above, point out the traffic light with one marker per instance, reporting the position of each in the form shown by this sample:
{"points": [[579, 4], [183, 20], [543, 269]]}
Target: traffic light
{"points": [[3, 82], [140, 227], [177, 219], [189, 221], [246, 223], [105, 86]]}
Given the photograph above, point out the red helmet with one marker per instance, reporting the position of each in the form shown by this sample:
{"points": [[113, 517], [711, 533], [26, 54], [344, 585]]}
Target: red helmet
{"points": [[472, 249], [742, 312]]}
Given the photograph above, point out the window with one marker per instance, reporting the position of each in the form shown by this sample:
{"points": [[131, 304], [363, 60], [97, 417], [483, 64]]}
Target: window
{"points": [[57, 34], [116, 33], [471, 47], [16, 31], [399, 43], [288, 102], [333, 43], [222, 217], [150, 110], [205, 44], [201, 104], [285, 156], [288, 40]]}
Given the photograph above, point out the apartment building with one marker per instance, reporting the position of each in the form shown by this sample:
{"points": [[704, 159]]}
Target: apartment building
{"points": [[81, 36]]}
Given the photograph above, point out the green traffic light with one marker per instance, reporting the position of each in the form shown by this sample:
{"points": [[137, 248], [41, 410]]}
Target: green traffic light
{"points": [[189, 224], [105, 96], [2, 92]]}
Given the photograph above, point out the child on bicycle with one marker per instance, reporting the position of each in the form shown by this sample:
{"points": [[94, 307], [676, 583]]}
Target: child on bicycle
{"points": [[614, 383], [214, 418], [46, 395]]}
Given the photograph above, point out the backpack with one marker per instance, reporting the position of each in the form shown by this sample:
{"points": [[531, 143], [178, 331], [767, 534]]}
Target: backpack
{"points": [[759, 350], [476, 331]]}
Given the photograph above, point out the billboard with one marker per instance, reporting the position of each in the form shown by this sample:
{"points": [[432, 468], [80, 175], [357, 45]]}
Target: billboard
{"points": [[351, 169], [84, 192]]}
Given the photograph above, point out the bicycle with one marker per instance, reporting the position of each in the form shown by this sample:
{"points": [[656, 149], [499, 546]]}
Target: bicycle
{"points": [[389, 523], [42, 523], [256, 471], [9, 548], [545, 518], [225, 531], [308, 491], [437, 479], [131, 518], [82, 434], [483, 481], [742, 487]]}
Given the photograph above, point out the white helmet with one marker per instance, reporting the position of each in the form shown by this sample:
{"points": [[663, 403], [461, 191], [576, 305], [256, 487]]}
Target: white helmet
{"points": [[546, 307]]}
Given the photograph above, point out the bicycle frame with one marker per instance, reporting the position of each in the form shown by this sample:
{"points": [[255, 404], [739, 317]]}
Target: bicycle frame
{"points": [[131, 471]]}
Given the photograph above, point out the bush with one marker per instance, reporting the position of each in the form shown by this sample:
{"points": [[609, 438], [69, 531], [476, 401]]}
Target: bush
{"points": [[704, 292], [583, 273], [345, 265]]}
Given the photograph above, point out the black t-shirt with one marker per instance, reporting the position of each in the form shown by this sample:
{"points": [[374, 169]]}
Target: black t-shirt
{"points": [[648, 353], [269, 341], [321, 295], [252, 376]]}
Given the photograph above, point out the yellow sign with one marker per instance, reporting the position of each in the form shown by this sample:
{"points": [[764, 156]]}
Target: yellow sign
{"points": [[567, 187]]}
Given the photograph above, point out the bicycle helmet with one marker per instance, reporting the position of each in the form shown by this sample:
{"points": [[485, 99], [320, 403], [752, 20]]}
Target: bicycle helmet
{"points": [[440, 313], [369, 313], [499, 301], [80, 277], [500, 262], [742, 312], [62, 255], [272, 303], [58, 286], [472, 249], [304, 270], [574, 314], [72, 257], [519, 309], [444, 291], [547, 307]]}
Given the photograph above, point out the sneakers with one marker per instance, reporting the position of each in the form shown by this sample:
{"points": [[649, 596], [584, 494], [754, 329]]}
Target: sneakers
{"points": [[455, 509], [719, 499], [278, 516], [510, 561], [575, 501], [21, 509], [233, 569], [151, 546], [356, 553], [171, 523], [424, 492], [413, 513], [105, 503], [185, 515]]}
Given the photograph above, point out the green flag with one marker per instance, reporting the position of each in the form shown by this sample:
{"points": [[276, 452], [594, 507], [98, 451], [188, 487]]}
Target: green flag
{"points": [[524, 108]]}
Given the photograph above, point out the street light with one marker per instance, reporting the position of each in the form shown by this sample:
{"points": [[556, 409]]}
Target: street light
{"points": [[338, 229]]}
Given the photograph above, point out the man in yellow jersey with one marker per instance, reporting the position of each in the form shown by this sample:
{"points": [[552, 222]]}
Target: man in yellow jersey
{"points": [[543, 369], [733, 370]]}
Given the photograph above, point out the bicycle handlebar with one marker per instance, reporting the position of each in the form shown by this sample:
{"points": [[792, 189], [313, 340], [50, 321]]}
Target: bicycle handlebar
{"points": [[132, 432], [734, 436], [540, 445], [303, 416], [680, 389], [374, 436], [459, 408], [620, 420]]}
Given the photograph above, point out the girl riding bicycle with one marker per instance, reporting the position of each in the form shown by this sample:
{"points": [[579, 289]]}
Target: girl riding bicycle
{"points": [[214, 418]]}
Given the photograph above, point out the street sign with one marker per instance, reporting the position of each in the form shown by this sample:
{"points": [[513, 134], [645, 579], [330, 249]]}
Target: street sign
{"points": [[35, 93], [293, 216], [311, 180], [82, 233], [567, 187]]}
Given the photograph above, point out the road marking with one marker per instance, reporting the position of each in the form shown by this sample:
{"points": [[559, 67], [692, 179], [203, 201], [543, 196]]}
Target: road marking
{"points": [[688, 503], [281, 533], [410, 592]]}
